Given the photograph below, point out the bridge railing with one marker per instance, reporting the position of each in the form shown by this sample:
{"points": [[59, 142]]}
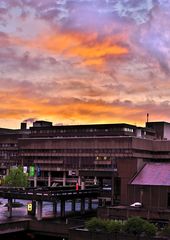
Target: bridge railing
{"points": [[32, 193]]}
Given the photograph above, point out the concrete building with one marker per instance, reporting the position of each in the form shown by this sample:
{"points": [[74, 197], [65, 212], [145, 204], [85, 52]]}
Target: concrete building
{"points": [[110, 155], [106, 154], [9, 155]]}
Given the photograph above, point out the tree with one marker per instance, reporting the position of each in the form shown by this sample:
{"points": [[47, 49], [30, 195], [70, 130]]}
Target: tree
{"points": [[16, 178], [102, 225], [137, 226]]}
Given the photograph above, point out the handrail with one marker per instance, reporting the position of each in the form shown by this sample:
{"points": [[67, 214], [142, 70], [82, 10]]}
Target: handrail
{"points": [[30, 193]]}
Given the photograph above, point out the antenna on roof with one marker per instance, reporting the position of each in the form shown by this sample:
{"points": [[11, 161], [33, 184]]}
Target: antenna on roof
{"points": [[147, 117]]}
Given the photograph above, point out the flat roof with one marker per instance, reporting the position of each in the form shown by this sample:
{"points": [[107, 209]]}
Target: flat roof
{"points": [[156, 174], [109, 125]]}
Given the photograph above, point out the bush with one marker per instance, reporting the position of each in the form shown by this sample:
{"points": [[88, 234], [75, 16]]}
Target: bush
{"points": [[97, 224], [114, 226], [137, 226], [134, 225], [149, 229], [166, 231]]}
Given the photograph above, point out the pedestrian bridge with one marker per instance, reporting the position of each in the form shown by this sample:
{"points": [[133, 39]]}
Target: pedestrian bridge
{"points": [[54, 195], [48, 194]]}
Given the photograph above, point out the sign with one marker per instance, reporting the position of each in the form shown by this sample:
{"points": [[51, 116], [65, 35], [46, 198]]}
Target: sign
{"points": [[72, 173], [29, 207], [32, 171]]}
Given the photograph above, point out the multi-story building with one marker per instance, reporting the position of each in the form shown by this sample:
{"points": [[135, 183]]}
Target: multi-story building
{"points": [[9, 155], [106, 154]]}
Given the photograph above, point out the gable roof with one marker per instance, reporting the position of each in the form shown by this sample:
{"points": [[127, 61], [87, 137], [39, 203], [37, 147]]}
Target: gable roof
{"points": [[157, 174]]}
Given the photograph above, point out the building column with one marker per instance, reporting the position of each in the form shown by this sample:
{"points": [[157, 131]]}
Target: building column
{"points": [[73, 205], [100, 202], [90, 204], [79, 180], [49, 179], [113, 190], [39, 210], [10, 207], [82, 185], [95, 180], [64, 178], [35, 180], [82, 205], [7, 171], [62, 208], [54, 209]]}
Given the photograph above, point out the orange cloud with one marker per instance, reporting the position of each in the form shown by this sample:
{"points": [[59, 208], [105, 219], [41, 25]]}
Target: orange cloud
{"points": [[89, 48], [69, 111], [75, 111]]}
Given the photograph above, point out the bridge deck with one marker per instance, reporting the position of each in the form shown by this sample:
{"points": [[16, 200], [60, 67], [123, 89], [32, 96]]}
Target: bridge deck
{"points": [[49, 195]]}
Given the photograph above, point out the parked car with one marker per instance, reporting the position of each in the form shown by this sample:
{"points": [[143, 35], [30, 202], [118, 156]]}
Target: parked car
{"points": [[136, 205]]}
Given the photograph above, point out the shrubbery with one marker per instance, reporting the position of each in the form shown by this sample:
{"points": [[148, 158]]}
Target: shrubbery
{"points": [[134, 225], [97, 224], [114, 226], [137, 226], [166, 231], [149, 229]]}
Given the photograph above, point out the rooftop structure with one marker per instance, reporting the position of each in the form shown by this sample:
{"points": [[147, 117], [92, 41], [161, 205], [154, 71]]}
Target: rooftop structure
{"points": [[155, 174]]}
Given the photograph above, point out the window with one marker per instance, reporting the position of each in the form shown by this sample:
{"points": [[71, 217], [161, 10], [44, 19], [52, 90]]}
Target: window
{"points": [[128, 129]]}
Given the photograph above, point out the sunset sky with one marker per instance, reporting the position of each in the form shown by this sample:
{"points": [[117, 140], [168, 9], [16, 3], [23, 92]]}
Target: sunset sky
{"points": [[84, 61]]}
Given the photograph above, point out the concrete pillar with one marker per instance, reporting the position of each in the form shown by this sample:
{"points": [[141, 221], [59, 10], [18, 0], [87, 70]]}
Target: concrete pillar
{"points": [[82, 205], [73, 205], [64, 178], [54, 209], [90, 204], [100, 202], [33, 207], [35, 180], [95, 180], [39, 210], [49, 179], [82, 185], [10, 207], [7, 171], [113, 191], [79, 180], [62, 211]]}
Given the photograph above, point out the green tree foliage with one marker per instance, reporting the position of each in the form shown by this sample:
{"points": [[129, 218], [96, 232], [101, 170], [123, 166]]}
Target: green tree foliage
{"points": [[149, 229], [166, 231], [137, 226], [134, 225], [16, 178], [97, 224], [114, 226]]}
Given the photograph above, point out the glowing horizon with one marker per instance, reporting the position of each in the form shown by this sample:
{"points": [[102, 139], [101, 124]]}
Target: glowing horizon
{"points": [[84, 61]]}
